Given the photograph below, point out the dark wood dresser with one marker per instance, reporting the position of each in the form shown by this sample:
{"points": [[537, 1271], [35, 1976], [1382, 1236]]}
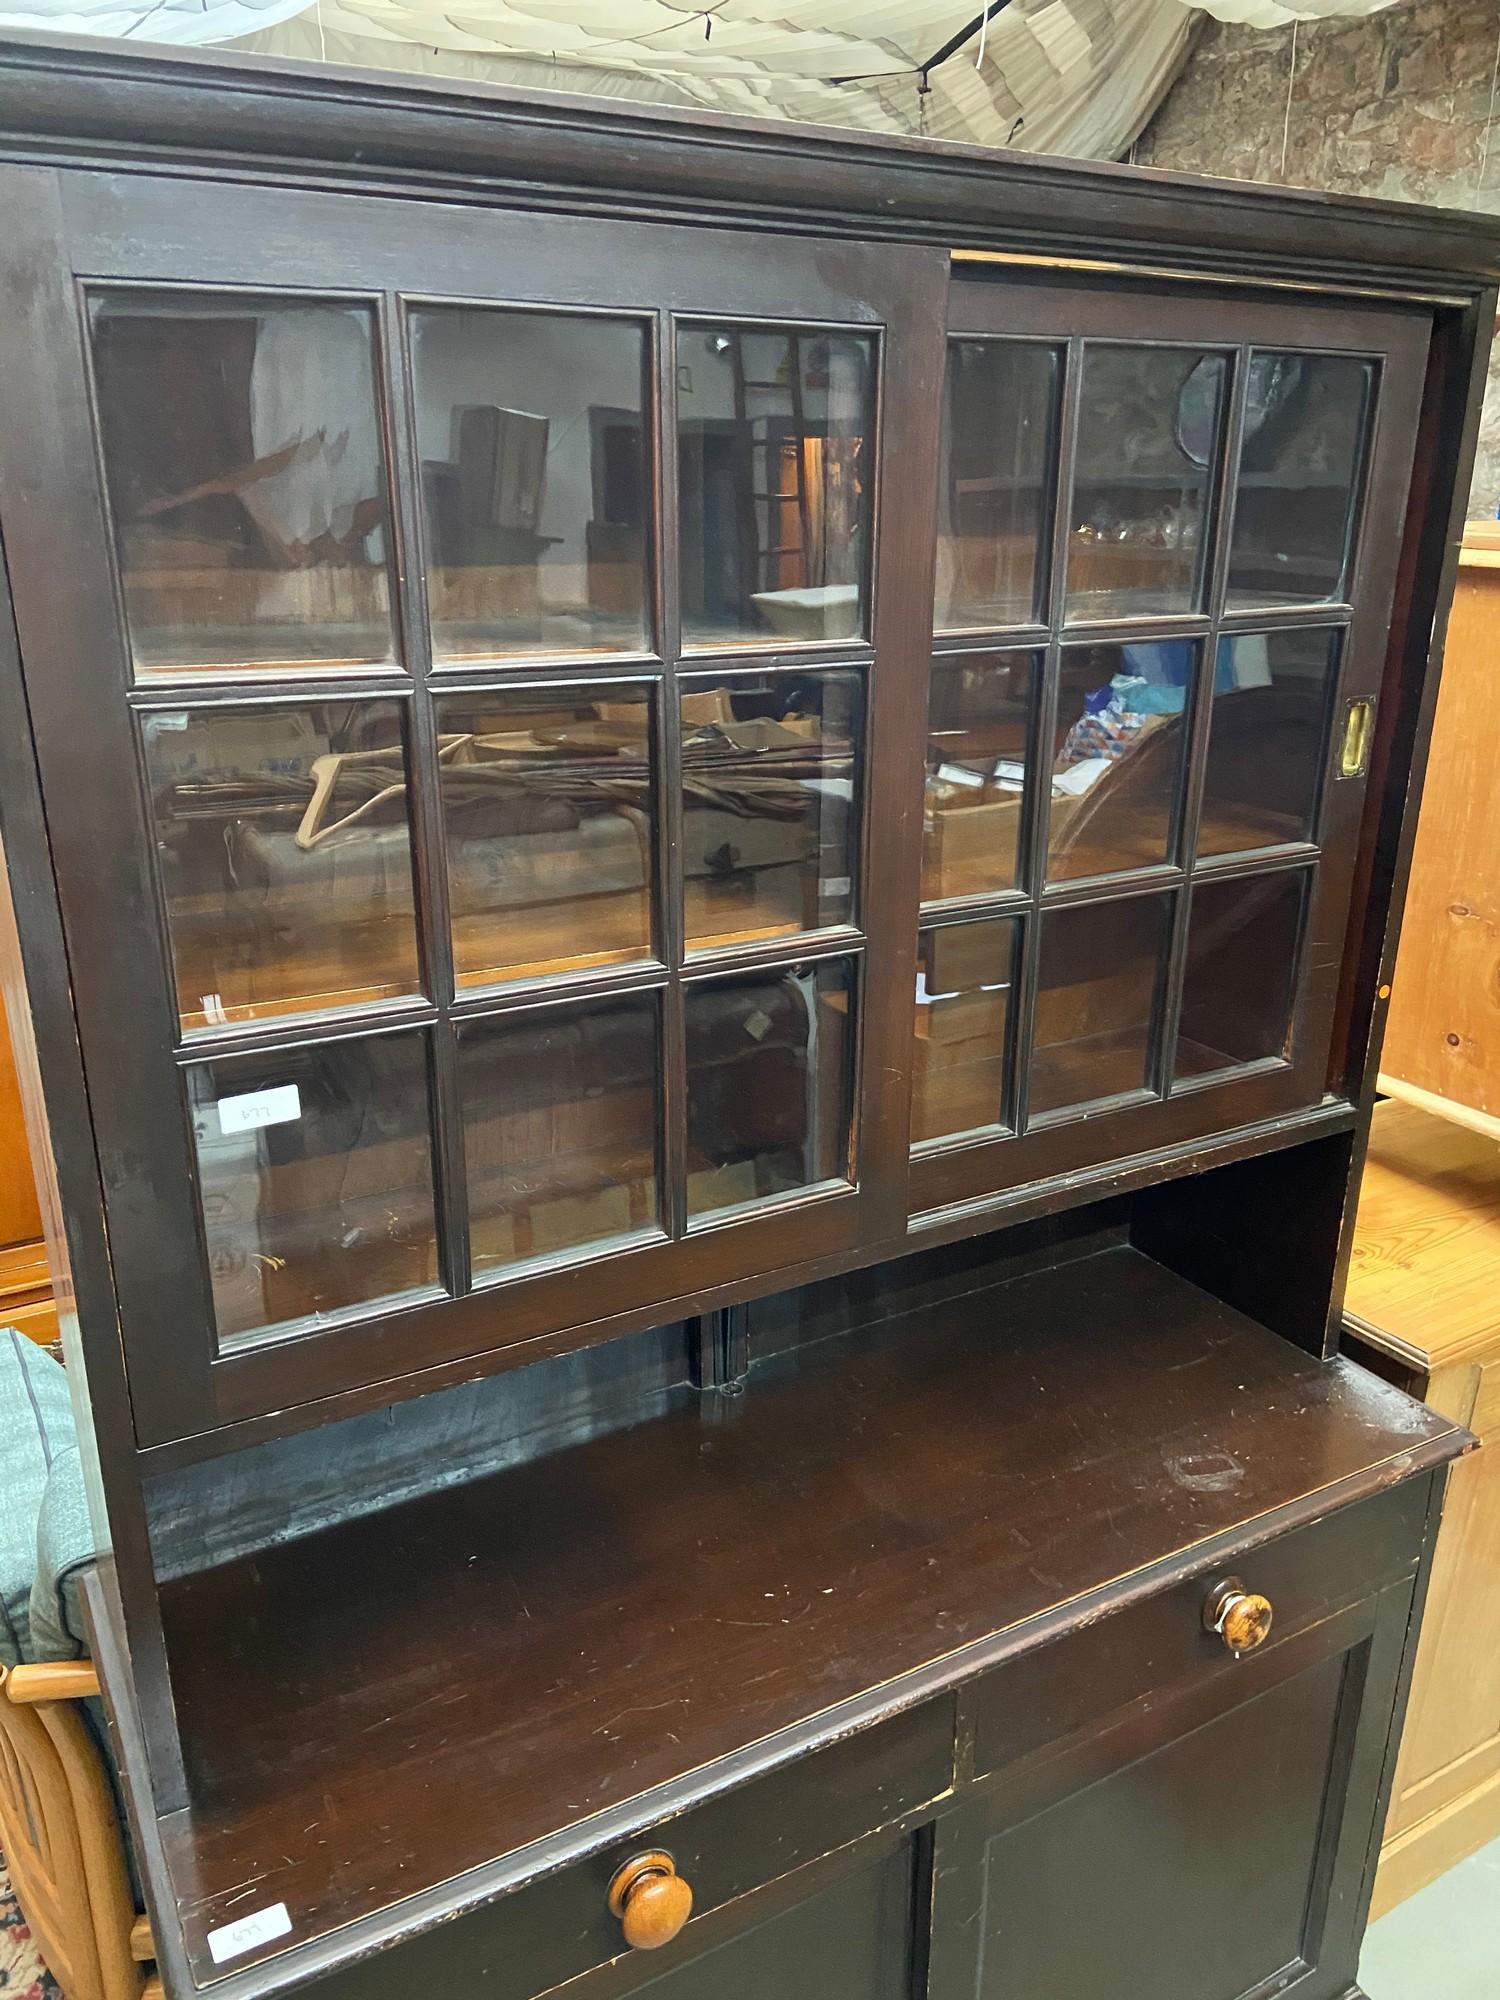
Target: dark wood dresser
{"points": [[703, 826]]}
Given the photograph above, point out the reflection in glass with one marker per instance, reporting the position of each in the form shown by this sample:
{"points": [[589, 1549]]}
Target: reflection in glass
{"points": [[769, 804], [534, 484], [769, 1059], [284, 849], [559, 1127], [1267, 740], [242, 452], [999, 443], [1140, 497], [965, 973], [1299, 477], [1241, 955], [775, 447], [979, 717], [1096, 999], [315, 1169], [1117, 755], [548, 803]]}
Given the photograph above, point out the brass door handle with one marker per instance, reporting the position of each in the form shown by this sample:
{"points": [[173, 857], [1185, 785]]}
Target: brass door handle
{"points": [[1241, 1618], [651, 1899]]}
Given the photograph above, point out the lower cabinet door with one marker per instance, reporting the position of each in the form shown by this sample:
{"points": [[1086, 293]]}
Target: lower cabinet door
{"points": [[1210, 1841], [807, 1937]]}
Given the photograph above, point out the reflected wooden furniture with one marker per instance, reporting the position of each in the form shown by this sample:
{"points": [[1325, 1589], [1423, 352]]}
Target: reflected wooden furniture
{"points": [[62, 1838], [1423, 1296], [1442, 1039], [563, 1425], [25, 1283]]}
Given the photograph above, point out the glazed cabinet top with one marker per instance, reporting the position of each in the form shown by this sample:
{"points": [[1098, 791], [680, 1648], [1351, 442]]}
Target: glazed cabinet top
{"points": [[595, 766]]}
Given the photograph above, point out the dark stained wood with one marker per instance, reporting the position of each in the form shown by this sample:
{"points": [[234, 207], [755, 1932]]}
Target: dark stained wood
{"points": [[123, 224], [124, 228], [425, 136], [1447, 436], [1262, 1237], [1156, 1166], [1218, 1824], [922, 1505], [846, 1927], [980, 305], [1043, 1703], [785, 1635], [38, 996]]}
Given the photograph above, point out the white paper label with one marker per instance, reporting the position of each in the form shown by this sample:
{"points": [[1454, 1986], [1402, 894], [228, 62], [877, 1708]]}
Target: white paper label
{"points": [[245, 1933], [255, 1108]]}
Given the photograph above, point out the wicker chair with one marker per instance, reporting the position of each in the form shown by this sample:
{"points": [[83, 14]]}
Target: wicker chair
{"points": [[62, 1837], [59, 1821]]}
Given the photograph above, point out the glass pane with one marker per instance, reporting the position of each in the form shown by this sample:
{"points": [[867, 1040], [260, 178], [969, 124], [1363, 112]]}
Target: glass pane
{"points": [[770, 770], [1117, 754], [1306, 421], [964, 977], [1149, 431], [246, 475], [995, 487], [559, 1127], [770, 1058], [775, 450], [1273, 694], [535, 494], [316, 1175], [549, 806], [1096, 998], [1241, 954], [979, 715], [285, 853]]}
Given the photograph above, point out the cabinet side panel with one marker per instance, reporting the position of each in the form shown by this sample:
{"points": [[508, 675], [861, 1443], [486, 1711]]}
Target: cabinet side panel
{"points": [[39, 1001]]}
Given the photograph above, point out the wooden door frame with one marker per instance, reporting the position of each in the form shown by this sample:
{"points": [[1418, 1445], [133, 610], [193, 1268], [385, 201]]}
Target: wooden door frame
{"points": [[971, 1167], [150, 233]]}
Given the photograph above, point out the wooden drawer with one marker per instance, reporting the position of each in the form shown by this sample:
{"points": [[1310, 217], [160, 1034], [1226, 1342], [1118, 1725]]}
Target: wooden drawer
{"points": [[559, 1927], [1049, 1696]]}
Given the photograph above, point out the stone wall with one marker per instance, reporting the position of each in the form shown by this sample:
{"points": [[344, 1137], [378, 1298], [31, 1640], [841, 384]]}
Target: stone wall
{"points": [[1401, 104]]}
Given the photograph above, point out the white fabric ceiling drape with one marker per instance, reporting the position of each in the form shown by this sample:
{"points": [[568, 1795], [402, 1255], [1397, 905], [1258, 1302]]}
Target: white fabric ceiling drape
{"points": [[1051, 76]]}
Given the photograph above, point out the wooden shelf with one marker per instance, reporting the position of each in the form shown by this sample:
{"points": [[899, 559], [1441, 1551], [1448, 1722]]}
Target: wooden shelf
{"points": [[1427, 1239], [375, 1709]]}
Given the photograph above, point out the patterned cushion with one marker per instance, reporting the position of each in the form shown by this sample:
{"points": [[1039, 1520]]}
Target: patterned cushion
{"points": [[44, 1530]]}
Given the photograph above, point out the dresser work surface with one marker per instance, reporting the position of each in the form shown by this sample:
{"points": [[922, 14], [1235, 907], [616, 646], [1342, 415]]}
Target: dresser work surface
{"points": [[877, 1517]]}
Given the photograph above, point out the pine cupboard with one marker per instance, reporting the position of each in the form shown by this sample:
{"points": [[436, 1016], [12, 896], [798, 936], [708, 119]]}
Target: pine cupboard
{"points": [[702, 820]]}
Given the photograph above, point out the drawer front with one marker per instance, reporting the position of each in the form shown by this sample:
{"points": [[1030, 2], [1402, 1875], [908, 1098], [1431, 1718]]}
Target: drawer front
{"points": [[555, 1929], [1048, 1696]]}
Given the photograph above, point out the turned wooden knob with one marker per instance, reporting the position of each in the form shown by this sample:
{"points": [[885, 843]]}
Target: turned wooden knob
{"points": [[651, 1900], [1240, 1617]]}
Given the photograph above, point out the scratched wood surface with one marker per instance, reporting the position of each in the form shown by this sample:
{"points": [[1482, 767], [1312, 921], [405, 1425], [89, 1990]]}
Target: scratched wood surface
{"points": [[374, 1709]]}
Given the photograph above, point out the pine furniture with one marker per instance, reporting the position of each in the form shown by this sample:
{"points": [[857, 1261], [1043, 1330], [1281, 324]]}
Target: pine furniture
{"points": [[1421, 1307]]}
